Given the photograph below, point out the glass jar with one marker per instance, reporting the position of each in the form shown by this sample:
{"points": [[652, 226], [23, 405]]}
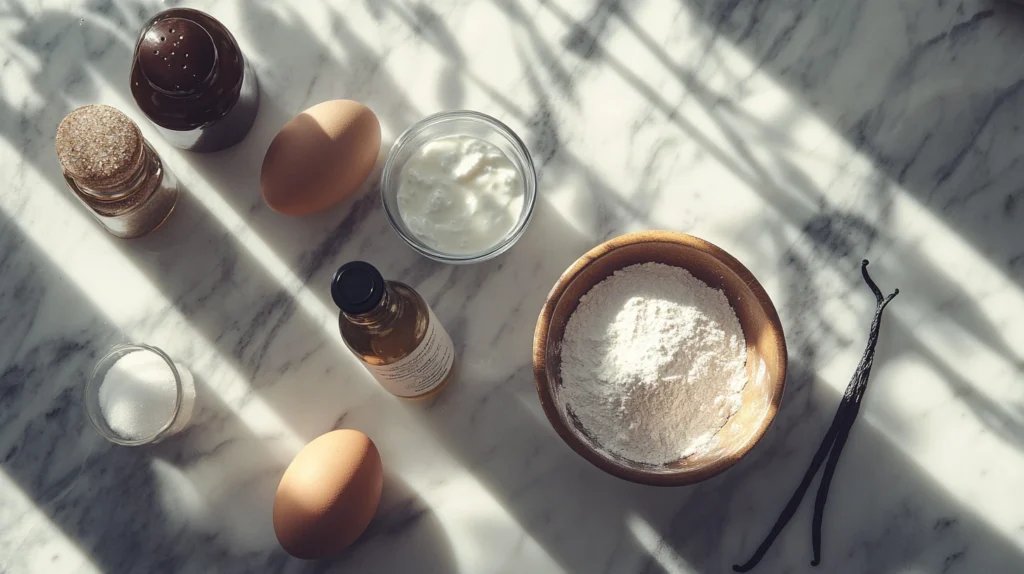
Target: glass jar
{"points": [[458, 123], [144, 400], [114, 171]]}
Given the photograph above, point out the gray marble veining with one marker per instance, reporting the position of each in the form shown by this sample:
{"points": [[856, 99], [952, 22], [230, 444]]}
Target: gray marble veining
{"points": [[800, 136]]}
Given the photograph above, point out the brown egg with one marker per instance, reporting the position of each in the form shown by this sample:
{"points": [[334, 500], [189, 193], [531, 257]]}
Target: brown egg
{"points": [[320, 157], [328, 495]]}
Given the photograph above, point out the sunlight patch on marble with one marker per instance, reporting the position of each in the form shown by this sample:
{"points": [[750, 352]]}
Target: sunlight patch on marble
{"points": [[785, 154], [26, 526], [480, 530], [128, 298], [659, 550], [765, 139], [250, 241]]}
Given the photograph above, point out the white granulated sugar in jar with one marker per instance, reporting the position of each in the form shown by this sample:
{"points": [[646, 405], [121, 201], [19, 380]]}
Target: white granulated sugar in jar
{"points": [[653, 363], [138, 396]]}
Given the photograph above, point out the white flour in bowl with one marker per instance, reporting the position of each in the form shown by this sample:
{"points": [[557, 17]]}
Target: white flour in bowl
{"points": [[653, 363]]}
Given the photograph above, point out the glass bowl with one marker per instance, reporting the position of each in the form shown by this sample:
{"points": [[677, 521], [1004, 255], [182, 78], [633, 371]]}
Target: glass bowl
{"points": [[179, 409], [463, 122]]}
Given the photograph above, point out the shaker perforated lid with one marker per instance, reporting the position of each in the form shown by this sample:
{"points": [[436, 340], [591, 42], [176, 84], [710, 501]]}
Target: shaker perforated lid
{"points": [[178, 56], [187, 70], [100, 148], [357, 288]]}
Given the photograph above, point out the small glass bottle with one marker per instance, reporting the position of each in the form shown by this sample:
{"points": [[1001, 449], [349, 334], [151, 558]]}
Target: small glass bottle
{"points": [[392, 330], [191, 79], [112, 169]]}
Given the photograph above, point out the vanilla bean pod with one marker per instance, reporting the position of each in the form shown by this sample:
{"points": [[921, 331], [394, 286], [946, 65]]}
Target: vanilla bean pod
{"points": [[834, 441]]}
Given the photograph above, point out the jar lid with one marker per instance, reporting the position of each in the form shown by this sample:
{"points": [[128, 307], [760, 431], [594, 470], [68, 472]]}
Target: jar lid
{"points": [[357, 288], [177, 56], [101, 149], [187, 70]]}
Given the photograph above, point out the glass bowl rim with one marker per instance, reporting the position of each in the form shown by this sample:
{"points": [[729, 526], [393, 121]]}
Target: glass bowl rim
{"points": [[529, 174], [95, 380]]}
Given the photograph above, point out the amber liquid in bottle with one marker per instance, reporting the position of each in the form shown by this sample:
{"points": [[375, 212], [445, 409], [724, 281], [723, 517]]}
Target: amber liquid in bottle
{"points": [[392, 330]]}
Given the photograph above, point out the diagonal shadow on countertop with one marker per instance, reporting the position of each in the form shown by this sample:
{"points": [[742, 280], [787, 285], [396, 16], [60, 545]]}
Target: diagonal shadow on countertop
{"points": [[840, 235], [564, 495], [837, 239], [548, 490], [198, 501], [935, 109], [832, 226], [211, 279], [206, 273], [884, 513]]}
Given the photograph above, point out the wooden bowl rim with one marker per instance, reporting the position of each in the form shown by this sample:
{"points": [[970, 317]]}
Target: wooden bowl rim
{"points": [[542, 381]]}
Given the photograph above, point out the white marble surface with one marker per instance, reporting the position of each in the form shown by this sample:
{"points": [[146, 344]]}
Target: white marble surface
{"points": [[800, 135]]}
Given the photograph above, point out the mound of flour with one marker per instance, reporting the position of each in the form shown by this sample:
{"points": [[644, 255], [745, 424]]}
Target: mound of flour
{"points": [[653, 363]]}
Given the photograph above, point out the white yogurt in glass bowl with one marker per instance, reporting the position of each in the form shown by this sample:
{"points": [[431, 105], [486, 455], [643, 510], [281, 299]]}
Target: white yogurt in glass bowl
{"points": [[459, 187]]}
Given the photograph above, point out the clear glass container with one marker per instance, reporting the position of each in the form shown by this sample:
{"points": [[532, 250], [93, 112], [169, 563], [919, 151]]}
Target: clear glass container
{"points": [[114, 172], [178, 407], [444, 124], [140, 206]]}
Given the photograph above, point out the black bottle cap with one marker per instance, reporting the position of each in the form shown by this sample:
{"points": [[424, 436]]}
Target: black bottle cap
{"points": [[357, 288]]}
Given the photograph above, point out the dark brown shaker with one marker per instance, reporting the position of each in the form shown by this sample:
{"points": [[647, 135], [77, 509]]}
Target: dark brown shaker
{"points": [[190, 78]]}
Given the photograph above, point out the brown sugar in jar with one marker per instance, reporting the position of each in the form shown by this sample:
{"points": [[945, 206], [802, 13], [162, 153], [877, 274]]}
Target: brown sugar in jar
{"points": [[114, 172]]}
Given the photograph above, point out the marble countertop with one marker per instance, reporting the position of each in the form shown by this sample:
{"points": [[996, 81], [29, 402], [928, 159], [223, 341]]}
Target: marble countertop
{"points": [[799, 135]]}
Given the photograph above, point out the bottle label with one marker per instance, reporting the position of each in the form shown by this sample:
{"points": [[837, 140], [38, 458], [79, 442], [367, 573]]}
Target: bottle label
{"points": [[424, 369]]}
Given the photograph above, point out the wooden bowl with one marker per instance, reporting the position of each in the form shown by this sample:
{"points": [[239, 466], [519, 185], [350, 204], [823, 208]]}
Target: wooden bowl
{"points": [[766, 351]]}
